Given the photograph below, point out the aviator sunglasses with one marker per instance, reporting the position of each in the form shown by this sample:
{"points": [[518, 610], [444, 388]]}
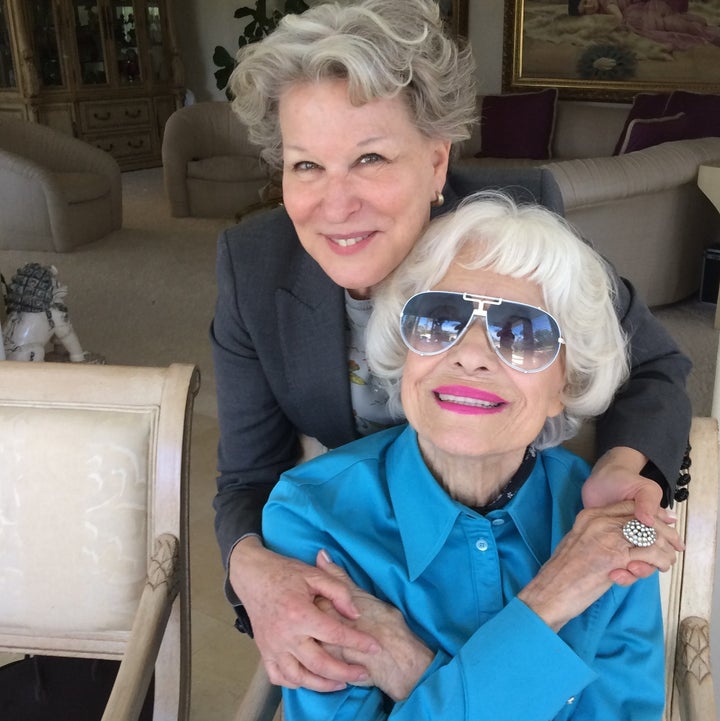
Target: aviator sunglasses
{"points": [[524, 337]]}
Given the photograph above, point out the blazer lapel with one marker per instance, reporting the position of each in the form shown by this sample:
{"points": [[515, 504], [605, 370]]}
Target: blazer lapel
{"points": [[311, 319]]}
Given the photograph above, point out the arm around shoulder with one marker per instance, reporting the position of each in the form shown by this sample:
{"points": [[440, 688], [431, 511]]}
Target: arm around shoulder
{"points": [[652, 413]]}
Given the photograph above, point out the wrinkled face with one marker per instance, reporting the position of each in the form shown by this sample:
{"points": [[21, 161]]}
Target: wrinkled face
{"points": [[357, 181], [467, 401]]}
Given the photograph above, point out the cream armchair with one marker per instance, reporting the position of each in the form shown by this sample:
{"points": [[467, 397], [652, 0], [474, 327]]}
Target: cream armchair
{"points": [[56, 192], [211, 170], [94, 526], [686, 593]]}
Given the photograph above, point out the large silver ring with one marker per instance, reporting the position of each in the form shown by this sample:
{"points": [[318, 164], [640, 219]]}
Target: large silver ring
{"points": [[639, 534]]}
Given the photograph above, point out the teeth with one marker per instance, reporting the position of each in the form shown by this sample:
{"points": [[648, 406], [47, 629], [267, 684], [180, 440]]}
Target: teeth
{"points": [[345, 242], [463, 401]]}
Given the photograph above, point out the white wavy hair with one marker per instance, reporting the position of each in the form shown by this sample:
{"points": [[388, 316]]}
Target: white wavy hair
{"points": [[493, 233]]}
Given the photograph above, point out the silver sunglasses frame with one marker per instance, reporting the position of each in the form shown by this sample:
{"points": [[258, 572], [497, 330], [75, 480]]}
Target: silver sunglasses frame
{"points": [[481, 304]]}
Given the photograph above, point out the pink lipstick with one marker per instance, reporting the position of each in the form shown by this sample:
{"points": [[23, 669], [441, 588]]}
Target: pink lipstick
{"points": [[469, 401]]}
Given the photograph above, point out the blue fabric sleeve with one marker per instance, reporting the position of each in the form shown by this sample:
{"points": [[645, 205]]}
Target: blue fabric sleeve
{"points": [[513, 667], [629, 658]]}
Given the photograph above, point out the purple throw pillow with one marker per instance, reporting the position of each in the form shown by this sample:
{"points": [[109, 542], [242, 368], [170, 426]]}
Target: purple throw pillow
{"points": [[645, 105], [518, 125], [646, 132], [702, 110]]}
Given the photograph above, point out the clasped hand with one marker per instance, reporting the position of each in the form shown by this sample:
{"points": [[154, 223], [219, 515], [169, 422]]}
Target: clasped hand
{"points": [[615, 477], [316, 629], [584, 563], [289, 629]]}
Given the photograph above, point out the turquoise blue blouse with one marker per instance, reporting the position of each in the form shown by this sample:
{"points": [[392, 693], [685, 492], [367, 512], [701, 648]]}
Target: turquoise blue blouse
{"points": [[455, 574]]}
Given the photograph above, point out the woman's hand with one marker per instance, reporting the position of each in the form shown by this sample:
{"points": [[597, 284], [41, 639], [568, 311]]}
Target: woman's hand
{"points": [[278, 594], [578, 572], [616, 477], [403, 659]]}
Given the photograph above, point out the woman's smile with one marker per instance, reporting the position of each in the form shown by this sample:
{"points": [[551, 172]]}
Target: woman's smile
{"points": [[345, 244], [467, 400]]}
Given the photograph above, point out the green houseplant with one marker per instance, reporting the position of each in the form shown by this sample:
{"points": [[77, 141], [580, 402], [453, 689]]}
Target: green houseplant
{"points": [[258, 26]]}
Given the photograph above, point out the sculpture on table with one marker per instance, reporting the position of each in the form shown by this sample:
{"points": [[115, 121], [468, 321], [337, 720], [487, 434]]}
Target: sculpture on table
{"points": [[36, 314]]}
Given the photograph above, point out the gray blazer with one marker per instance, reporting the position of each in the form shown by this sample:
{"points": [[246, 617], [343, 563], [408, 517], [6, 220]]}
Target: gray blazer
{"points": [[281, 363]]}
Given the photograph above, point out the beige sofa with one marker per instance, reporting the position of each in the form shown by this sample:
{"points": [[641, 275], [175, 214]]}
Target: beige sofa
{"points": [[210, 168], [642, 210], [56, 192]]}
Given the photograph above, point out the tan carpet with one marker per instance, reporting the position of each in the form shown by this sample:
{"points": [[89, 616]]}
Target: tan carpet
{"points": [[691, 324]]}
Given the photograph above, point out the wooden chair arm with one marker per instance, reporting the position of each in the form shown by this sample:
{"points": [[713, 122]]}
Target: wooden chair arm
{"points": [[136, 669], [693, 675]]}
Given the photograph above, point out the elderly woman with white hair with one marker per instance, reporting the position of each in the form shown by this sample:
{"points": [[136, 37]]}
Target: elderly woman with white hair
{"points": [[468, 520]]}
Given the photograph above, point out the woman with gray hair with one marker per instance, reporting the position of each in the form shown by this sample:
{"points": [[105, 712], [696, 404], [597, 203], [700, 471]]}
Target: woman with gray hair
{"points": [[469, 519], [359, 105]]}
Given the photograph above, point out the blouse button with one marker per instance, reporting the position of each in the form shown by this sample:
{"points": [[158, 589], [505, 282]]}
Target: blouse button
{"points": [[481, 544]]}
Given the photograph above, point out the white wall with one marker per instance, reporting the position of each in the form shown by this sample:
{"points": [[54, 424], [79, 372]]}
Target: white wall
{"points": [[201, 25], [486, 36]]}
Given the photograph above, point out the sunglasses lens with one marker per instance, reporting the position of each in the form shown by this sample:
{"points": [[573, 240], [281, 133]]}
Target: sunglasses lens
{"points": [[432, 321], [525, 337]]}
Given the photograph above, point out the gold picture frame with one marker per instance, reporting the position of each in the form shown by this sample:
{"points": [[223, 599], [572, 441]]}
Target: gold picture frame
{"points": [[596, 57], [455, 15]]}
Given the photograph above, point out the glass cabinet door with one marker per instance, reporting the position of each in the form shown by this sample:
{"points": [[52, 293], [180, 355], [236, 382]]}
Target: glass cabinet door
{"points": [[159, 63], [91, 32], [45, 37], [7, 67], [124, 34]]}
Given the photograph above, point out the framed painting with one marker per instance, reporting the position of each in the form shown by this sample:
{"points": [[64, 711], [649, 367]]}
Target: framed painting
{"points": [[609, 50], [455, 15]]}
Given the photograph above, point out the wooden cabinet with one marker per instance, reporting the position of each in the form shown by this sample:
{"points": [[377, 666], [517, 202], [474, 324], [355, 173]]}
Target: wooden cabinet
{"points": [[107, 71]]}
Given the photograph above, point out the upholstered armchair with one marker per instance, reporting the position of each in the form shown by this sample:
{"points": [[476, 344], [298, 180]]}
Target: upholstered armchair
{"points": [[210, 167], [56, 192], [94, 555]]}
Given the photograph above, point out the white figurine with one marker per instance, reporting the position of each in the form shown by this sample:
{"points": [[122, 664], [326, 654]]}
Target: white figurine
{"points": [[36, 314]]}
